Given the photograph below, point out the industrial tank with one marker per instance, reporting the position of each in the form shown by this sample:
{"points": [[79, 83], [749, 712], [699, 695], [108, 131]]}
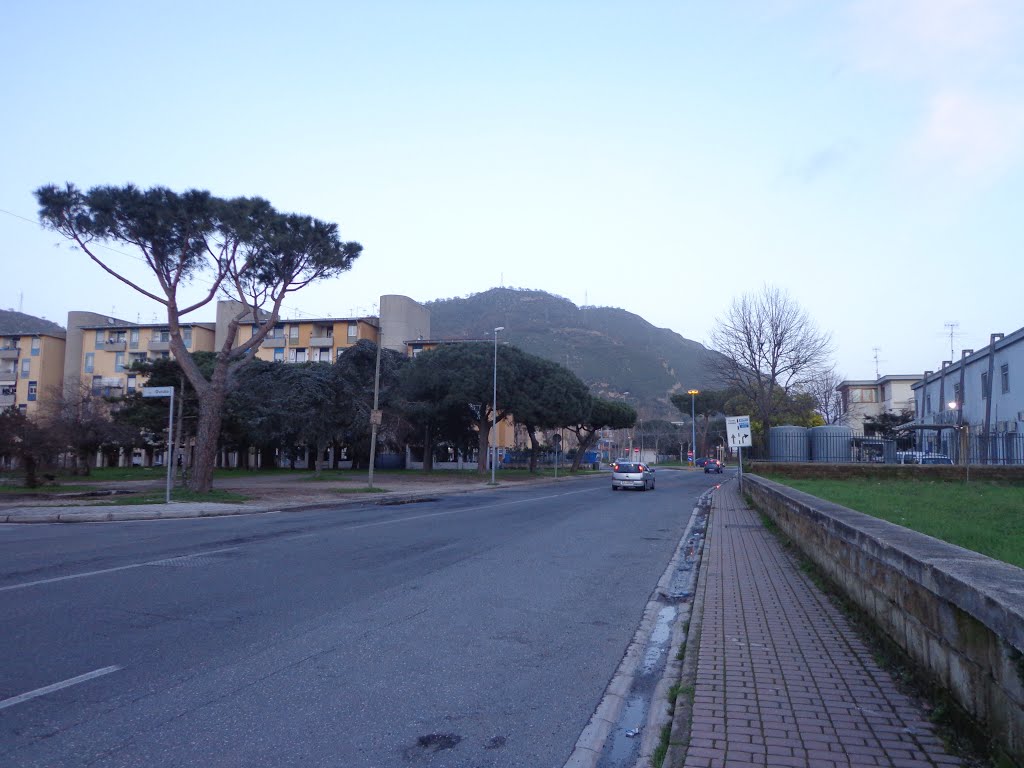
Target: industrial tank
{"points": [[831, 443], [787, 443]]}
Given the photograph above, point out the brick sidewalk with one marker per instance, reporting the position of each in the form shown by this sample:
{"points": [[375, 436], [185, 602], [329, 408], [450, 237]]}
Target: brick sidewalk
{"points": [[781, 678]]}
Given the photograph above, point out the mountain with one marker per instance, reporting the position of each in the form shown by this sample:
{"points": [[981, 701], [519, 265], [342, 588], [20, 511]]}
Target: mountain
{"points": [[613, 351], [12, 323]]}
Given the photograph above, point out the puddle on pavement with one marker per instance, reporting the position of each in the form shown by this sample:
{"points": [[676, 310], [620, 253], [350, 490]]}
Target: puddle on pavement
{"points": [[660, 636], [622, 749]]}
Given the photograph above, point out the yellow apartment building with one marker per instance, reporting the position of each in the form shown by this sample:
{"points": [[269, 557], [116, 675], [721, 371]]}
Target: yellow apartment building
{"points": [[100, 351], [312, 340], [31, 366]]}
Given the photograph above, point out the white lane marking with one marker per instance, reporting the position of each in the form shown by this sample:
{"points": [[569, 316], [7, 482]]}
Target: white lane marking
{"points": [[57, 686], [457, 511], [346, 528], [161, 561]]}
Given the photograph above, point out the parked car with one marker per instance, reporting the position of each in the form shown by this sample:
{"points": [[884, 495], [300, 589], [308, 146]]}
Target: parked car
{"points": [[713, 465], [919, 457], [632, 475], [701, 461]]}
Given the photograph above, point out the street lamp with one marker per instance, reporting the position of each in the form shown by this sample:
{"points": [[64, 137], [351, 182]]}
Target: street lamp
{"points": [[693, 422], [494, 406]]}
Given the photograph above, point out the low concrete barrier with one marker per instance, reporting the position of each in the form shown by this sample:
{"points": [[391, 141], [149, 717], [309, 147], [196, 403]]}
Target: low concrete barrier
{"points": [[958, 614]]}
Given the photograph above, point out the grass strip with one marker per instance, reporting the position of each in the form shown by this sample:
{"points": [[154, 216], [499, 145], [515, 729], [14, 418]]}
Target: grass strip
{"points": [[983, 516]]}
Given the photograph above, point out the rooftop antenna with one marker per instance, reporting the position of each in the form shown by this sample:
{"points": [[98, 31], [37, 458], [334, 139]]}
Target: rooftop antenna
{"points": [[952, 326], [21, 301], [876, 350]]}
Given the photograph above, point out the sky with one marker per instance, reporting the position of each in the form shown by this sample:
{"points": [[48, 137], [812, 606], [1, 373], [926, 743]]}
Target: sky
{"points": [[866, 156]]}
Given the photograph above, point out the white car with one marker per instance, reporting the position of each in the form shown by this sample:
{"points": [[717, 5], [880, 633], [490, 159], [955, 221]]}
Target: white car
{"points": [[632, 475]]}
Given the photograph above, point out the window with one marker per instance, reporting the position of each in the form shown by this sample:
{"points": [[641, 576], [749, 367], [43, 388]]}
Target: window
{"points": [[90, 361], [136, 357], [293, 331], [26, 368], [118, 362], [32, 387], [863, 395], [100, 339], [1004, 377], [131, 383], [984, 385], [163, 335], [22, 408], [297, 355], [186, 337], [133, 338], [278, 354], [322, 354], [353, 331], [956, 394], [35, 346]]}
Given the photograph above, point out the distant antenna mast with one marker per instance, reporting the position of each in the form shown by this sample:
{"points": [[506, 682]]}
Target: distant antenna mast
{"points": [[21, 301], [952, 326], [876, 350]]}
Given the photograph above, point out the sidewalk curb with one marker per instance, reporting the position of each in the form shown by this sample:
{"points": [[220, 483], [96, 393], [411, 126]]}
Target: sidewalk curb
{"points": [[187, 510], [679, 736]]}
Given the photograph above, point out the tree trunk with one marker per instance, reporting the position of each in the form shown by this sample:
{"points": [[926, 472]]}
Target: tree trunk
{"points": [[207, 434], [428, 450], [484, 426], [315, 448], [534, 445], [585, 440]]}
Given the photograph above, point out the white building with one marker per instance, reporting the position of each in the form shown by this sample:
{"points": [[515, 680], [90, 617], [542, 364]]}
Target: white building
{"points": [[976, 398]]}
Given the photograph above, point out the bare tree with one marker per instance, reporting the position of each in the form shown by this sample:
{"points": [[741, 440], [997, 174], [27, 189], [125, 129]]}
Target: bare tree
{"points": [[828, 402], [770, 348]]}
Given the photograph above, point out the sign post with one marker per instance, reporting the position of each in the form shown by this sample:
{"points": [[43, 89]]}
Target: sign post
{"points": [[165, 392], [737, 429]]}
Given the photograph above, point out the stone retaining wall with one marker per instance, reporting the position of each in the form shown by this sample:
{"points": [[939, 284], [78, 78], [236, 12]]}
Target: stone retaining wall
{"points": [[958, 614]]}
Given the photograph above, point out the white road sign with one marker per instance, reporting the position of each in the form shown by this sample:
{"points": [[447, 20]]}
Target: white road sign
{"points": [[157, 391], [738, 430]]}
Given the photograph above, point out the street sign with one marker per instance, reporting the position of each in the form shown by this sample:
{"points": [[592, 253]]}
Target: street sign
{"points": [[738, 430], [376, 417], [157, 391]]}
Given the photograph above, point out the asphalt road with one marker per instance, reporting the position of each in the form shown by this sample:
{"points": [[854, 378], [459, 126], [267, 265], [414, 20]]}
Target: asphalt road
{"points": [[477, 630]]}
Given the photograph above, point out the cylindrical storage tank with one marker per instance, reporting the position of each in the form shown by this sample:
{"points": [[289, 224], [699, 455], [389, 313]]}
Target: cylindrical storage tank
{"points": [[831, 443], [788, 443]]}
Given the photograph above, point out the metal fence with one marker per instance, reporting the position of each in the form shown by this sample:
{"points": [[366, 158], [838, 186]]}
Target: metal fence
{"points": [[947, 446]]}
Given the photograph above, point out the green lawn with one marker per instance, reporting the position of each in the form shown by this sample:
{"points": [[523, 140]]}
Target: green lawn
{"points": [[984, 516]]}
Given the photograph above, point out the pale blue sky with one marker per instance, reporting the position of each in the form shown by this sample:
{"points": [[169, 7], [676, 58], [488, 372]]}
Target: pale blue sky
{"points": [[661, 157]]}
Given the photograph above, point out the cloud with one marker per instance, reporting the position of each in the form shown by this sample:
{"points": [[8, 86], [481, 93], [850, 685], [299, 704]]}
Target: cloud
{"points": [[823, 161], [935, 39], [963, 58], [972, 134]]}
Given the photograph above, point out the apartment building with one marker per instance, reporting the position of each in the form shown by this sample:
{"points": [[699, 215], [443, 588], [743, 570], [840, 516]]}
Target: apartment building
{"points": [[100, 351], [31, 365], [864, 398]]}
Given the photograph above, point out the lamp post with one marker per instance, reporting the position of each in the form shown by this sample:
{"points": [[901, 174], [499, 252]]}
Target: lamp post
{"points": [[494, 406], [693, 422]]}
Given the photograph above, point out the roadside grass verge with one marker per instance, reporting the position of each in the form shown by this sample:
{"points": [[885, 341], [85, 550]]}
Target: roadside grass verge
{"points": [[177, 495], [983, 516]]}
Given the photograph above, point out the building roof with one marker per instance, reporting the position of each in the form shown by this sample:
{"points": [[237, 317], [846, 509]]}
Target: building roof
{"points": [[126, 325]]}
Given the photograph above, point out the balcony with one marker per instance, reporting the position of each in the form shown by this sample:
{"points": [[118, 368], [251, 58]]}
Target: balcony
{"points": [[6, 401], [8, 378], [156, 345], [275, 342], [9, 353], [115, 346], [321, 341]]}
